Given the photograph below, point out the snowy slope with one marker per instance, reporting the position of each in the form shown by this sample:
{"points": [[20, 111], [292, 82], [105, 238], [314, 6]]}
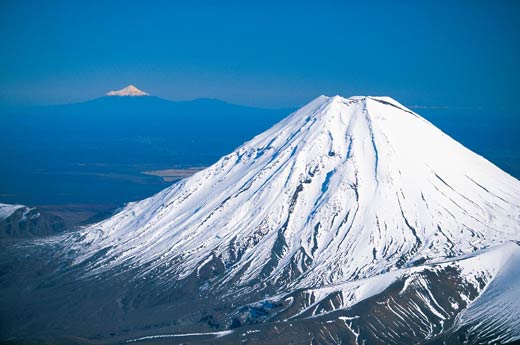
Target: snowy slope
{"points": [[491, 265], [472, 297], [341, 190], [495, 313]]}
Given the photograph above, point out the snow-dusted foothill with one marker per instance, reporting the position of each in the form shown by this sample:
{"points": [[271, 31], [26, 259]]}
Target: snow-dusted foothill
{"points": [[7, 210]]}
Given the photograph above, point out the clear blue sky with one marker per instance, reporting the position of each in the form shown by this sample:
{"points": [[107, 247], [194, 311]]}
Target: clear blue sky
{"points": [[262, 53]]}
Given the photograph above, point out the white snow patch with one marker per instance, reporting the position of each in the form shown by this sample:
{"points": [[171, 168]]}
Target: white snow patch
{"points": [[216, 334]]}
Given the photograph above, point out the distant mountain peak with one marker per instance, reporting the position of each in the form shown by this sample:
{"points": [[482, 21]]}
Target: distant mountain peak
{"points": [[130, 90]]}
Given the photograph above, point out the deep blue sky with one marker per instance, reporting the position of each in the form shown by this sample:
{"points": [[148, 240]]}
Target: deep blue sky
{"points": [[262, 53]]}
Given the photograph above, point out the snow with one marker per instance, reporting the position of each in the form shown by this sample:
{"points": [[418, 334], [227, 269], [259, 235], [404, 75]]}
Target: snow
{"points": [[489, 264], [351, 292], [343, 189], [160, 336], [130, 90], [497, 308]]}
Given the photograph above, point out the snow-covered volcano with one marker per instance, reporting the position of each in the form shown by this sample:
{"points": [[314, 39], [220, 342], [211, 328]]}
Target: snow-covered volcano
{"points": [[351, 221], [129, 91], [340, 190]]}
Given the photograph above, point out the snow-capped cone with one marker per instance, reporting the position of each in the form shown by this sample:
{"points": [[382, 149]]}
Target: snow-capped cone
{"points": [[130, 90], [340, 190]]}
